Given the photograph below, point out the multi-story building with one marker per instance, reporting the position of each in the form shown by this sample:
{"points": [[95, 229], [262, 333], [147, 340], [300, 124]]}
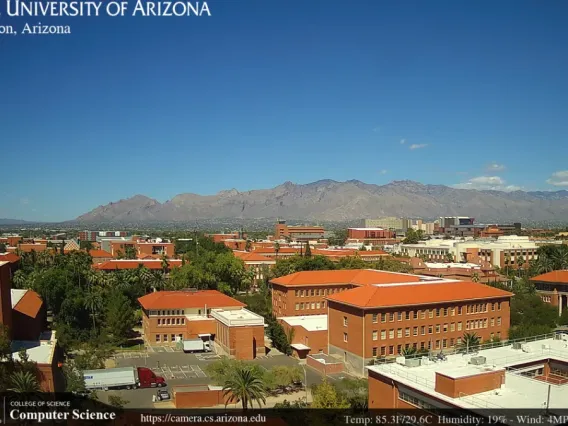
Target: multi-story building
{"points": [[309, 334], [510, 251], [392, 223], [552, 287], [298, 233], [305, 293], [495, 380], [256, 262], [96, 235], [383, 320], [169, 317], [370, 236], [483, 272], [23, 313]]}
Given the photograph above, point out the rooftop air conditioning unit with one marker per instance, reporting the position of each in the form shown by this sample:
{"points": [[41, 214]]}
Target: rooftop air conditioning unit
{"points": [[477, 360], [517, 345], [413, 362]]}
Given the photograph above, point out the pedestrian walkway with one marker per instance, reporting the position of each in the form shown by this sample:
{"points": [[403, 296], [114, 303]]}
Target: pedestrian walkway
{"points": [[179, 371]]}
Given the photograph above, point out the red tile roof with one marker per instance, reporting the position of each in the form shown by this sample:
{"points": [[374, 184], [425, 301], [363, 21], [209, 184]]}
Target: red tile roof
{"points": [[252, 257], [111, 265], [553, 277], [272, 250], [30, 304], [188, 299], [100, 254], [359, 277], [9, 257], [417, 294]]}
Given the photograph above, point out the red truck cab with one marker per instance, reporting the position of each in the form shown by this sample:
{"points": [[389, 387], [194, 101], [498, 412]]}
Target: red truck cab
{"points": [[147, 378]]}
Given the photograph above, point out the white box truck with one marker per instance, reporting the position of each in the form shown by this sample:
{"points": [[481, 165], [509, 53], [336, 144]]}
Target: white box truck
{"points": [[196, 345], [124, 377]]}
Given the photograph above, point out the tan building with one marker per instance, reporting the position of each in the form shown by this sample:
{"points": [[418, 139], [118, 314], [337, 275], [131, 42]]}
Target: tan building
{"points": [[553, 288], [297, 233]]}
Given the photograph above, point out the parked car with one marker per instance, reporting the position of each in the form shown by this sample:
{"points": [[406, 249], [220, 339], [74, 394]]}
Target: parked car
{"points": [[162, 395]]}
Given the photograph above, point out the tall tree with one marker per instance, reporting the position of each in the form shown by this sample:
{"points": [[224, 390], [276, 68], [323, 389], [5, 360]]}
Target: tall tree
{"points": [[308, 252], [119, 319], [325, 395]]}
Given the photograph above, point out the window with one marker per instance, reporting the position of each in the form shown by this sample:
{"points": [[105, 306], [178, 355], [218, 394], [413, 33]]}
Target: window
{"points": [[431, 313], [375, 318], [492, 323], [415, 331], [398, 349], [318, 292], [301, 306], [423, 314], [173, 338], [423, 330], [323, 304], [391, 333], [452, 311], [499, 306], [344, 321], [297, 293], [437, 328], [415, 314], [399, 332], [430, 329], [452, 342], [493, 306], [312, 292], [165, 337], [157, 338], [391, 350], [445, 312], [498, 320], [375, 335], [438, 312], [183, 320], [459, 326], [383, 334], [453, 326], [391, 317], [399, 316], [374, 351], [318, 305], [307, 306], [408, 314], [437, 344], [345, 337], [383, 317], [407, 332], [459, 310], [467, 325], [159, 321], [313, 305], [383, 350], [297, 306], [444, 343]]}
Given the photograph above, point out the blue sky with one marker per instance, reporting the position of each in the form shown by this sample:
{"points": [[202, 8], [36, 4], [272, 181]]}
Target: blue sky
{"points": [[468, 93]]}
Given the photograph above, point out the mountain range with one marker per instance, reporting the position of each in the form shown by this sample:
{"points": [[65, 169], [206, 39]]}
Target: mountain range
{"points": [[329, 200]]}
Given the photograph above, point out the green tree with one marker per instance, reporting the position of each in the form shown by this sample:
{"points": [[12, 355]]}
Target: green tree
{"points": [[117, 401], [413, 236], [94, 303], [74, 380], [325, 395], [24, 382], [5, 343], [355, 392], [2, 248], [475, 277], [248, 245], [120, 318], [278, 336], [449, 257], [276, 248], [299, 403], [130, 252], [245, 385], [338, 238]]}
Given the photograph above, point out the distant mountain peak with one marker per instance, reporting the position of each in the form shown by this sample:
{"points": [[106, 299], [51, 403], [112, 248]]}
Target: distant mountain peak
{"points": [[330, 200]]}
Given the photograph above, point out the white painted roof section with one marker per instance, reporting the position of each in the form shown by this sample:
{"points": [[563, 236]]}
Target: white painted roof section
{"points": [[309, 322], [300, 346], [237, 317], [368, 229], [439, 265], [3, 262], [517, 392], [39, 351], [17, 295]]}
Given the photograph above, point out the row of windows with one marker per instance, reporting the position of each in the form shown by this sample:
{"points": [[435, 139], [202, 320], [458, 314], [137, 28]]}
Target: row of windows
{"points": [[165, 337], [317, 292], [425, 345], [400, 316], [171, 321], [313, 305], [169, 312]]}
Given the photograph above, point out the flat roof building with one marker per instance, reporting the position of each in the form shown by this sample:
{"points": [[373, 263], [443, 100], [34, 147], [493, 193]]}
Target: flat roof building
{"points": [[529, 374], [309, 336]]}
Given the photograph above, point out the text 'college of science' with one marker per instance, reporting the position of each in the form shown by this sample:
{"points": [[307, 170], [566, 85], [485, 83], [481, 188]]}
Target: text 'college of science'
{"points": [[113, 8]]}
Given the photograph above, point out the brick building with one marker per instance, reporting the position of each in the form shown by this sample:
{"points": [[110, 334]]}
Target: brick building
{"points": [[309, 334], [297, 233], [369, 234], [23, 313], [552, 287], [382, 320], [256, 262], [169, 317], [502, 378], [304, 293]]}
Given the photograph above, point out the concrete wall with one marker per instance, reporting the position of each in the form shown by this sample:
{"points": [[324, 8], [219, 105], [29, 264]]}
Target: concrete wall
{"points": [[185, 397], [469, 385], [325, 369]]}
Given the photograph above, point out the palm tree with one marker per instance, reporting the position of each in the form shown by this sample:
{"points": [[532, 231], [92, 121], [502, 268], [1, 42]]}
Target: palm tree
{"points": [[165, 264], [245, 385], [409, 351], [24, 382], [560, 258], [248, 245], [475, 277], [543, 265], [20, 280], [276, 248], [94, 302], [470, 341]]}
